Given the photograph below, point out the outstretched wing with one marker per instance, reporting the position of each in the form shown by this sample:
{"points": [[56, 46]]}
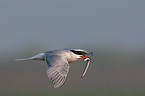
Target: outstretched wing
{"points": [[58, 69]]}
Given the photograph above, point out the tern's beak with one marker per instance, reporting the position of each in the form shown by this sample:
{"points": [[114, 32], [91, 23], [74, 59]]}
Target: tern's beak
{"points": [[83, 56]]}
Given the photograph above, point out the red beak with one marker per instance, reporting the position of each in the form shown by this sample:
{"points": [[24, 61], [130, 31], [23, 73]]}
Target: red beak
{"points": [[84, 56]]}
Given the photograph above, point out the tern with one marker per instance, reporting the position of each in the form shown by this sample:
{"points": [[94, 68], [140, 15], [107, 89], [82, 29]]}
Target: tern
{"points": [[58, 63]]}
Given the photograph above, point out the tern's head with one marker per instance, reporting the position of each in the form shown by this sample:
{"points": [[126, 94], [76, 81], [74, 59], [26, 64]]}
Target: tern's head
{"points": [[80, 53]]}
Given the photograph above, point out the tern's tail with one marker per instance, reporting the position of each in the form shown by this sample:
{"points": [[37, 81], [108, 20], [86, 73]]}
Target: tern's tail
{"points": [[40, 56]]}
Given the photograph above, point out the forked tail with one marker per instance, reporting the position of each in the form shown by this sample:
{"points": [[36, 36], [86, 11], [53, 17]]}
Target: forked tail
{"points": [[40, 56]]}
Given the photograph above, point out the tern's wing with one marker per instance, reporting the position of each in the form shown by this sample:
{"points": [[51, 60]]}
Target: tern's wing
{"points": [[58, 69]]}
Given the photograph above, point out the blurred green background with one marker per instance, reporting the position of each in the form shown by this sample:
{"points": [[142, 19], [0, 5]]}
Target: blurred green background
{"points": [[113, 30]]}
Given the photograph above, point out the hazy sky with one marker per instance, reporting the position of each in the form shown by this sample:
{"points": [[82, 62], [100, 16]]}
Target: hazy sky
{"points": [[71, 23]]}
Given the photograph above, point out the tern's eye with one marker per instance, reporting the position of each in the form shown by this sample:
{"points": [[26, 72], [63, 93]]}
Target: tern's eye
{"points": [[78, 52]]}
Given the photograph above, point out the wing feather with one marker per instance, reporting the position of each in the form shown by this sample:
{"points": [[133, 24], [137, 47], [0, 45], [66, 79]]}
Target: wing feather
{"points": [[58, 69]]}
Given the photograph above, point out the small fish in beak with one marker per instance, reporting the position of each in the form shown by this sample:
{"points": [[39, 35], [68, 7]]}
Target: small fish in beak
{"points": [[87, 66]]}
